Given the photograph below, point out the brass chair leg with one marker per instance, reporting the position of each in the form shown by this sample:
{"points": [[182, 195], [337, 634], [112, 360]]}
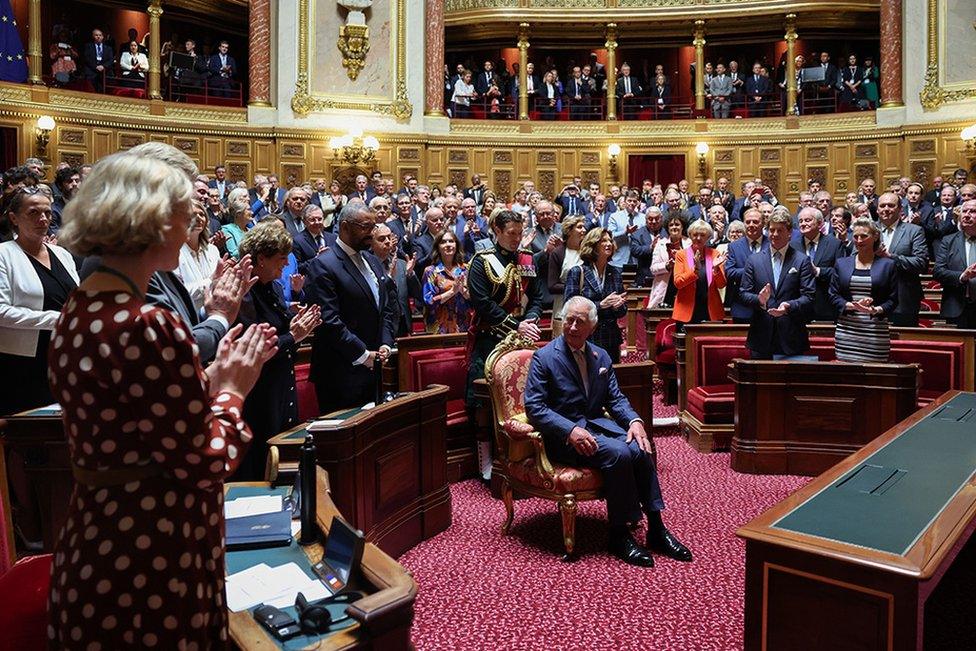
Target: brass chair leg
{"points": [[509, 505], [568, 509]]}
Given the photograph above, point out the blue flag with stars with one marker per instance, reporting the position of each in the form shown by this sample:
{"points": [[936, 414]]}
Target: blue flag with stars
{"points": [[13, 60]]}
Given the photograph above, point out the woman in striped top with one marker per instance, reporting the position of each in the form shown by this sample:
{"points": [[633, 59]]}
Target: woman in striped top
{"points": [[865, 291]]}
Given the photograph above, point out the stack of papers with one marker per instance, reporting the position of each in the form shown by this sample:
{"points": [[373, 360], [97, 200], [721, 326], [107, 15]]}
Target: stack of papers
{"points": [[275, 586], [245, 506]]}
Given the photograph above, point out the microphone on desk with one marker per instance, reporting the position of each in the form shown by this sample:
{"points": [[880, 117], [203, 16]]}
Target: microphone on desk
{"points": [[306, 473]]}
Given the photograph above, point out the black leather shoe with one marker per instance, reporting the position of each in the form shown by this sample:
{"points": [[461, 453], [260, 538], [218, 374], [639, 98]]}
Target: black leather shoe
{"points": [[663, 542], [624, 547]]}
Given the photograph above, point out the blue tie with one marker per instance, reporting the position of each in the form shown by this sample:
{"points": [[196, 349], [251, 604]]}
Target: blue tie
{"points": [[777, 268]]}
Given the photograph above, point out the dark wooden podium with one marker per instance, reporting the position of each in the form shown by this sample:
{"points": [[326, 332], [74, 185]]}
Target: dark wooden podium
{"points": [[387, 467], [800, 418]]}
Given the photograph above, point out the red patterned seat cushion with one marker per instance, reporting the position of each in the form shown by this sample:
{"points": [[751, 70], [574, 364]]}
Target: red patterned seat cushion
{"points": [[713, 403], [567, 478]]}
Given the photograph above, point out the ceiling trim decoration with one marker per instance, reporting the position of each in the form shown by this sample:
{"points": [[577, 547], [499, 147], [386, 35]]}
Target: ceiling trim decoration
{"points": [[934, 94], [305, 102]]}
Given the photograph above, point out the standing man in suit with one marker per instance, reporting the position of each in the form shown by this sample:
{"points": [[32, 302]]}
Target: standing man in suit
{"points": [[932, 196], [628, 90], [571, 201], [578, 94], [939, 220], [642, 244], [571, 384], [598, 216], [699, 209], [823, 251], [623, 224], [955, 268], [363, 191], [295, 201], [720, 88], [220, 182], [904, 243], [401, 280], [476, 191], [223, 70], [758, 89], [779, 286], [99, 59], [827, 89], [312, 241], [485, 79], [357, 330], [739, 253]]}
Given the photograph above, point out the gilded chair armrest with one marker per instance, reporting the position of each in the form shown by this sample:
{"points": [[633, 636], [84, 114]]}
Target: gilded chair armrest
{"points": [[517, 429], [542, 464]]}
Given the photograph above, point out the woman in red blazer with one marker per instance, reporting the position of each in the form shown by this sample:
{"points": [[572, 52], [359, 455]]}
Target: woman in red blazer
{"points": [[699, 272]]}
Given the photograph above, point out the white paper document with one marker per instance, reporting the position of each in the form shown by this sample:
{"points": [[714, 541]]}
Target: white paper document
{"points": [[258, 505], [275, 586]]}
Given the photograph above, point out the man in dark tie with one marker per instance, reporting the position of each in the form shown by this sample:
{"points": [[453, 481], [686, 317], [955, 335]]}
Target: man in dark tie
{"points": [[358, 314], [223, 70], [757, 91], [827, 89], [99, 60], [904, 243], [628, 90], [642, 245], [739, 253], [823, 251], [476, 191], [578, 93], [780, 287], [571, 201], [484, 80], [363, 191], [220, 182], [313, 240], [573, 399], [938, 220], [955, 268], [598, 216]]}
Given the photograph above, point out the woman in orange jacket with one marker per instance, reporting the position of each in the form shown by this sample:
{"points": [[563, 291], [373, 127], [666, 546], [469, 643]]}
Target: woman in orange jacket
{"points": [[699, 272]]}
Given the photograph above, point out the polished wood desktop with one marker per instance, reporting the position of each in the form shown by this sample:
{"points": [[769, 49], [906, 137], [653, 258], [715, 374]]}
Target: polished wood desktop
{"points": [[801, 418], [382, 618], [837, 591], [388, 466]]}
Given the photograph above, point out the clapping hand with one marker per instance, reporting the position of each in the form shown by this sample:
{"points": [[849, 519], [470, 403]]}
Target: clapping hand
{"points": [[968, 273], [297, 281], [229, 288], [219, 239], [411, 263], [720, 259], [527, 238], [632, 229], [779, 311], [614, 300], [308, 318], [239, 358], [764, 294]]}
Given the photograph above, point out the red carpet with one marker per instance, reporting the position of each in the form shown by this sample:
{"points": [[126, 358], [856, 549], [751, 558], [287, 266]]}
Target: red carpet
{"points": [[479, 589]]}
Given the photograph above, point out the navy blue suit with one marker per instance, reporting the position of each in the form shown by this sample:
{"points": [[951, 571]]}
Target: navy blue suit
{"points": [[306, 249], [695, 212], [642, 250], [738, 253], [591, 221], [884, 284], [958, 304], [787, 334], [352, 323], [556, 401], [572, 205], [829, 250], [937, 224], [369, 192]]}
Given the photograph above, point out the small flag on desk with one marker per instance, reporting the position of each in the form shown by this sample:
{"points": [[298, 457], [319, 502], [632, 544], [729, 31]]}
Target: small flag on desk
{"points": [[13, 59]]}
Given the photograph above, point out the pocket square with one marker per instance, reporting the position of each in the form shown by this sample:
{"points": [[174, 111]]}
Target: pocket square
{"points": [[792, 270], [603, 370]]}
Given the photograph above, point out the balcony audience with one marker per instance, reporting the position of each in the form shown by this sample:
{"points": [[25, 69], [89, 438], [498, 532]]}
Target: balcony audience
{"points": [[134, 65], [223, 71], [98, 59]]}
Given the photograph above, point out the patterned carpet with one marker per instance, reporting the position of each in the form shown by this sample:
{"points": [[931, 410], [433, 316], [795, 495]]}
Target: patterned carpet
{"points": [[480, 589]]}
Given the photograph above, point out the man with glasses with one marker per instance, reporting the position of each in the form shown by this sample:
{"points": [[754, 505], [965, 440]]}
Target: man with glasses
{"points": [[955, 268], [358, 315], [381, 206]]}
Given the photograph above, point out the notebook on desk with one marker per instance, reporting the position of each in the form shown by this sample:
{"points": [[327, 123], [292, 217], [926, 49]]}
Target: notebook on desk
{"points": [[258, 531]]}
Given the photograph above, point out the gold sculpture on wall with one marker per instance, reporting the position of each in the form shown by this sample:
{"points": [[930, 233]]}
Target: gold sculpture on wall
{"points": [[354, 37]]}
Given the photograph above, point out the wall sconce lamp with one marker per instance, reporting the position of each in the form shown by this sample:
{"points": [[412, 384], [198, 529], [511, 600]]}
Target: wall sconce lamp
{"points": [[702, 150], [354, 148], [45, 125], [613, 151], [968, 136]]}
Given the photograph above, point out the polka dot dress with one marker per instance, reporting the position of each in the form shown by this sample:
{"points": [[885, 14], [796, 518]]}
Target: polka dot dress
{"points": [[140, 564]]}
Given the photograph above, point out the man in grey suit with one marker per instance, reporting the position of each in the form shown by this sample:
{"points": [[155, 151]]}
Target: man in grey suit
{"points": [[720, 88], [955, 268], [546, 237], [401, 280], [904, 243]]}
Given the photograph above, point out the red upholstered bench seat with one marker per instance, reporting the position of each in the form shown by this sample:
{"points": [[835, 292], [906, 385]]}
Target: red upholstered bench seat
{"points": [[713, 403], [447, 366]]}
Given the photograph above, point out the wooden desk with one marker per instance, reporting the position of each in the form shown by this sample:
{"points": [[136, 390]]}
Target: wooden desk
{"points": [[388, 466], [853, 559], [801, 418], [382, 618], [36, 439]]}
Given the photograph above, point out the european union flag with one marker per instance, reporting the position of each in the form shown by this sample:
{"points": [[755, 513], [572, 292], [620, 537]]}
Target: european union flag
{"points": [[13, 59]]}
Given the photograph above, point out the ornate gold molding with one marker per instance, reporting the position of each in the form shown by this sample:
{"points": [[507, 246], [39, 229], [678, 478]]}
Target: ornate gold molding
{"points": [[934, 94], [304, 102]]}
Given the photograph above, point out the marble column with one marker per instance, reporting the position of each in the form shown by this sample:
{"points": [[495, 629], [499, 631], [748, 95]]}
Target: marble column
{"points": [[523, 47], [790, 64], [434, 42], [259, 53], [699, 43], [155, 11], [891, 54], [611, 69], [34, 54]]}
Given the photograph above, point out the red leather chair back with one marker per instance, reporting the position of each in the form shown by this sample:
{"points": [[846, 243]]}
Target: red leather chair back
{"points": [[308, 402], [714, 355], [23, 604], [664, 334], [942, 362]]}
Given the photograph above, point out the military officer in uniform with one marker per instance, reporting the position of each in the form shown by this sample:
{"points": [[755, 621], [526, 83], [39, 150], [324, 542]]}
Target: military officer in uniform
{"points": [[506, 295]]}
